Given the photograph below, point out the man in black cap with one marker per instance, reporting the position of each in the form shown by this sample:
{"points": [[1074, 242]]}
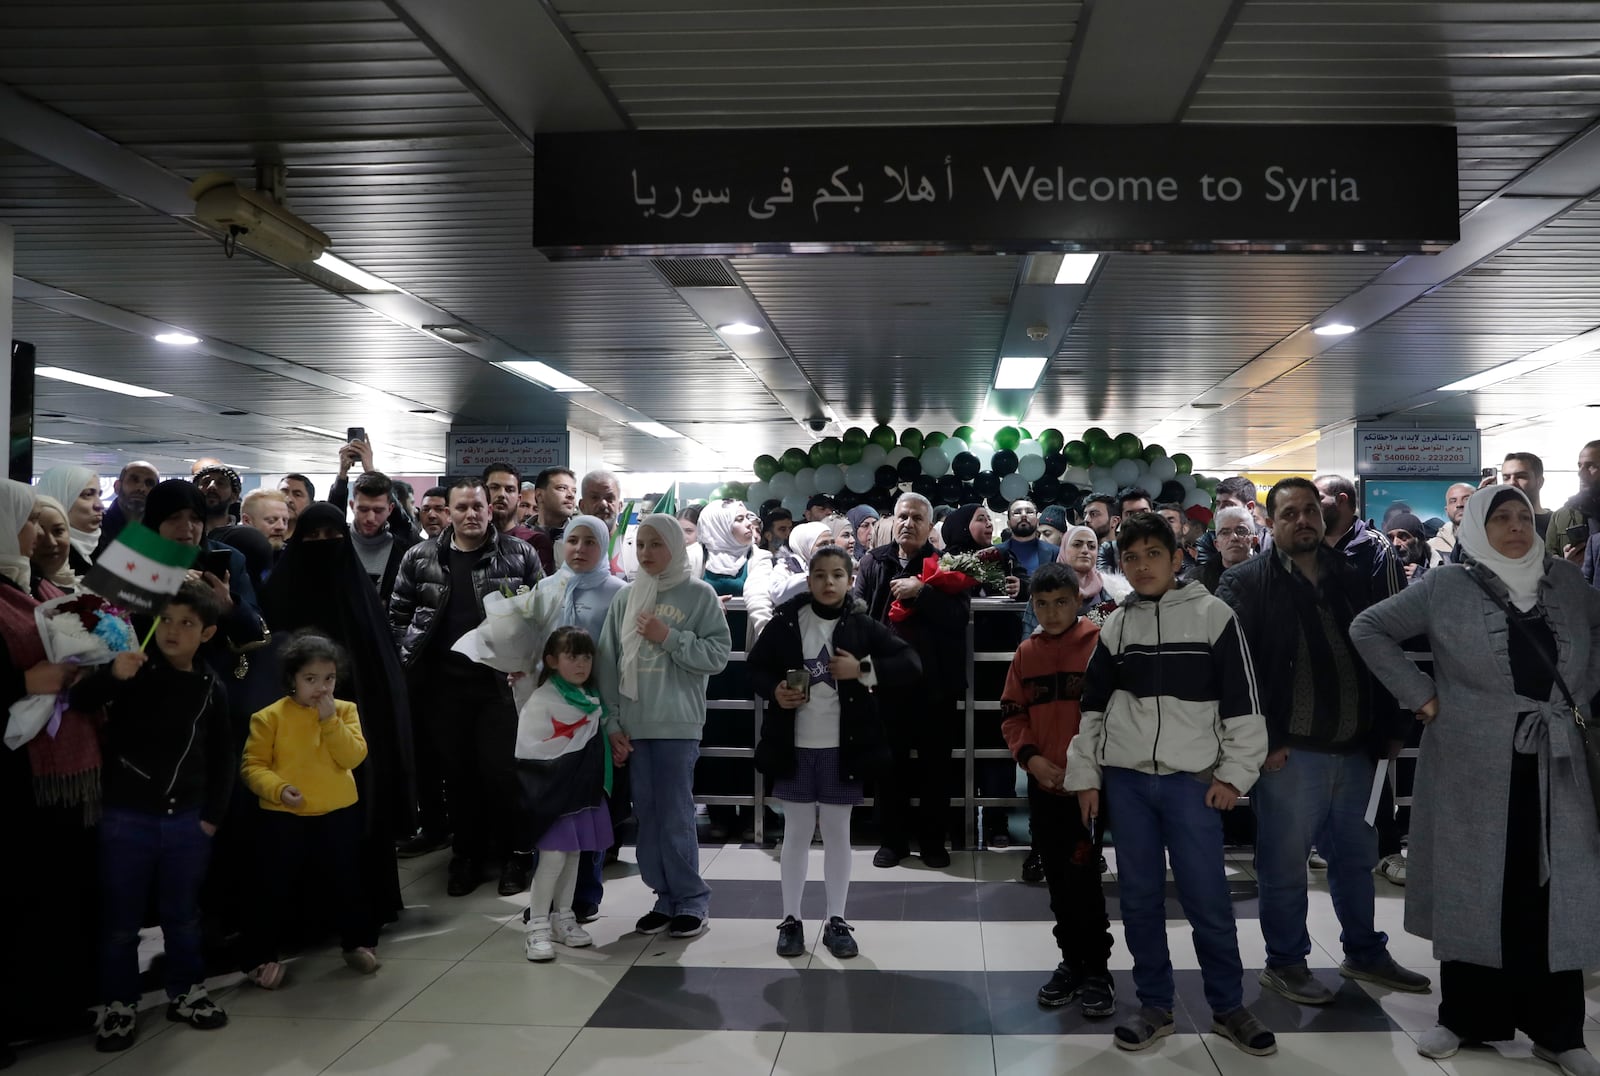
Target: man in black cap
{"points": [[819, 506]]}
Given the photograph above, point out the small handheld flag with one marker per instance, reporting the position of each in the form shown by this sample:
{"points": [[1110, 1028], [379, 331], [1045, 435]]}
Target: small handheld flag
{"points": [[141, 570]]}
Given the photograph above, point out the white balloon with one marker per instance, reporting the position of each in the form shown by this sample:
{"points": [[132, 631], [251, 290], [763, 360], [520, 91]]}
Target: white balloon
{"points": [[1030, 447], [1198, 497], [1163, 470], [1098, 474], [758, 494], [796, 506], [1104, 485], [874, 455], [1031, 467], [896, 454], [781, 485], [954, 446], [1144, 468], [1125, 472], [1013, 486], [1187, 482], [830, 478], [858, 476], [1077, 476], [805, 481], [935, 463]]}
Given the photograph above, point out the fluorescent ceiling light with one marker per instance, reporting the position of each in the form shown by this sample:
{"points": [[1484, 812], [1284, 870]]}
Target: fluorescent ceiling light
{"points": [[1165, 430], [1075, 268], [319, 431], [1246, 462], [738, 328], [541, 374], [1294, 444], [1019, 372], [1493, 376], [1334, 328], [51, 441], [177, 339], [655, 429], [56, 373], [359, 277]]}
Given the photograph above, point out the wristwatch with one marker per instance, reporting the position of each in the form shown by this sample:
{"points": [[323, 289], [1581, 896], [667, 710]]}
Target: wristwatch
{"points": [[866, 665]]}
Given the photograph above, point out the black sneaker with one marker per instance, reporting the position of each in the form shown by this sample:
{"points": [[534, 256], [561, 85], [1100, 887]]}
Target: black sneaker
{"points": [[1098, 997], [686, 926], [117, 1028], [889, 857], [836, 936], [791, 937], [935, 856], [195, 1008], [420, 844], [653, 923], [465, 874], [1065, 985], [1033, 867], [585, 912], [516, 876]]}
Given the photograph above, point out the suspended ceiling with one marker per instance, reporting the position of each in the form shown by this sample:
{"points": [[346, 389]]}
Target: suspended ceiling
{"points": [[406, 126]]}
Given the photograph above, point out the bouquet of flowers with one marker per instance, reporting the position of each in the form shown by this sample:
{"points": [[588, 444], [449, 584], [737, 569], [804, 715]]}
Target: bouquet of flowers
{"points": [[1097, 616], [82, 629], [957, 572]]}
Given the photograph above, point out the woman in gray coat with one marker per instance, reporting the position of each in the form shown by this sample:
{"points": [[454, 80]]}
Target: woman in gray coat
{"points": [[1505, 853]]}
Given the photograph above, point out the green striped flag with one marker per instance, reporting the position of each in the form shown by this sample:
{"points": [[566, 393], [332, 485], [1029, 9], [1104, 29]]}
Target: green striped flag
{"points": [[140, 570]]}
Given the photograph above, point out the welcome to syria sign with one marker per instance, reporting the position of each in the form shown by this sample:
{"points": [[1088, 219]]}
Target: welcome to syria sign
{"points": [[1010, 189]]}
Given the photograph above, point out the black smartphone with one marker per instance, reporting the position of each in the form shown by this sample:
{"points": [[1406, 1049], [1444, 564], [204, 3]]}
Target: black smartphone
{"points": [[355, 433], [1487, 472], [1578, 534], [215, 561]]}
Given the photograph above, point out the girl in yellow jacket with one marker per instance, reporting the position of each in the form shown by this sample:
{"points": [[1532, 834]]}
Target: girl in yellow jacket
{"points": [[298, 761]]}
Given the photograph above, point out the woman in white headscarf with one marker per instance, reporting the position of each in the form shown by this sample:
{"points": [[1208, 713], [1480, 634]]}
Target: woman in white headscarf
{"points": [[1504, 862], [664, 635], [793, 561], [728, 532], [78, 489]]}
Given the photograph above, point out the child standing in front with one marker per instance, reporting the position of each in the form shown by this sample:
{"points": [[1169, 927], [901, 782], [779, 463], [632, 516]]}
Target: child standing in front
{"points": [[664, 636], [298, 761], [1039, 718], [1172, 735], [562, 778], [819, 741], [168, 769]]}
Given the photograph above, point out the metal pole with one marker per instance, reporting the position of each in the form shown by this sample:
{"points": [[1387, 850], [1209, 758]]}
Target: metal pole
{"points": [[969, 809]]}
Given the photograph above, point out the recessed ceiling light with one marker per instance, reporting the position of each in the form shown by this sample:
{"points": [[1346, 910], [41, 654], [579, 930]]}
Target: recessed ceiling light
{"points": [[56, 373], [1334, 328], [359, 277], [453, 334], [542, 374], [177, 339], [1076, 268], [655, 429], [738, 328], [52, 440], [1020, 372]]}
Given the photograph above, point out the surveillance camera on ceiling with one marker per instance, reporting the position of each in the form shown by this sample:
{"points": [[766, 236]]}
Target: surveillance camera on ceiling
{"points": [[1038, 332], [255, 221]]}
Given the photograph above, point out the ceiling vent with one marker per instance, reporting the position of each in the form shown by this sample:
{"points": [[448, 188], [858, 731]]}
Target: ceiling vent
{"points": [[695, 272]]}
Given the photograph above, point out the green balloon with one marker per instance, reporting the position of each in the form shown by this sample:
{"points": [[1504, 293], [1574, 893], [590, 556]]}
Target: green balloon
{"points": [[1007, 438], [964, 433], [814, 455], [1184, 464], [829, 447], [1077, 453], [883, 435], [1153, 453], [850, 452], [1051, 440], [1103, 453], [912, 440], [765, 467], [1026, 436], [794, 460], [855, 435], [933, 440], [1128, 446], [1094, 435]]}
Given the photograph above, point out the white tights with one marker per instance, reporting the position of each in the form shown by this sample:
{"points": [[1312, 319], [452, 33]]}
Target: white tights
{"points": [[555, 880], [799, 822]]}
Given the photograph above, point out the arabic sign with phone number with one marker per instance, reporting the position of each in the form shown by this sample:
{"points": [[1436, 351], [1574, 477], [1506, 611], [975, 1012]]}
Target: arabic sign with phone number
{"points": [[530, 451], [1448, 453], [1197, 187]]}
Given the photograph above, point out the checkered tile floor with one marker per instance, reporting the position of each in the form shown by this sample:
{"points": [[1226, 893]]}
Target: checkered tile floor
{"points": [[945, 983]]}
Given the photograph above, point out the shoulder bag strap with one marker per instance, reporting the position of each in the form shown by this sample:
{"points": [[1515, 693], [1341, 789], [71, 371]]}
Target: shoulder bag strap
{"points": [[1514, 623]]}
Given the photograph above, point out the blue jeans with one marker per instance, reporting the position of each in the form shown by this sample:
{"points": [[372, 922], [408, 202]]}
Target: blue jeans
{"points": [[1316, 798], [662, 772], [136, 849], [1168, 814]]}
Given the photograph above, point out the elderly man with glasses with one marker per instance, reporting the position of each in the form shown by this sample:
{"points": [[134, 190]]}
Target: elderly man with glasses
{"points": [[1235, 538]]}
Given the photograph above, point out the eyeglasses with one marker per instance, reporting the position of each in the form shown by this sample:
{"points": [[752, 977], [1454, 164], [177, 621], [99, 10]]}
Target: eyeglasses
{"points": [[1234, 532]]}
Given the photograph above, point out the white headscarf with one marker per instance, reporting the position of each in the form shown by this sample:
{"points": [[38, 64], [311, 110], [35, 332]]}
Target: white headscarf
{"points": [[803, 541], [16, 505], [1521, 575], [65, 577], [643, 593], [64, 483], [725, 555]]}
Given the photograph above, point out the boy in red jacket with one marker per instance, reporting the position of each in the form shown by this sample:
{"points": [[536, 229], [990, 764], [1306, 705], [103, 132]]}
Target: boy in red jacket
{"points": [[1040, 710]]}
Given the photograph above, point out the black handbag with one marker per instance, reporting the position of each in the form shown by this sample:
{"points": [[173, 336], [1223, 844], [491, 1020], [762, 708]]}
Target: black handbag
{"points": [[1590, 738]]}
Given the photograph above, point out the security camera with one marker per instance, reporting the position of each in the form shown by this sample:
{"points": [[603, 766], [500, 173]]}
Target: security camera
{"points": [[817, 425], [1038, 332]]}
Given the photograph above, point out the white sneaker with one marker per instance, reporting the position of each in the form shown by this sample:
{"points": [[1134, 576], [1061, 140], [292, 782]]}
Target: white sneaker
{"points": [[565, 930], [1393, 868], [1439, 1042], [537, 946]]}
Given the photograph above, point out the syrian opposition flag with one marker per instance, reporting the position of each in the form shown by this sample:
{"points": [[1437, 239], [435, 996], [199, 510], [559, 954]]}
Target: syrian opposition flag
{"points": [[140, 570]]}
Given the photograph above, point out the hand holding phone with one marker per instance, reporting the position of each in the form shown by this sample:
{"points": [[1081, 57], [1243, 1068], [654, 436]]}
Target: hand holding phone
{"points": [[1578, 535]]}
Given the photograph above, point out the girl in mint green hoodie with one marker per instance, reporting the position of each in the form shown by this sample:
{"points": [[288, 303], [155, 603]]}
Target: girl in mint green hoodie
{"points": [[664, 636]]}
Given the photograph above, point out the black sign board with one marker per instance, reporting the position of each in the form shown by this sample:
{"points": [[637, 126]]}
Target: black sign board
{"points": [[1187, 187]]}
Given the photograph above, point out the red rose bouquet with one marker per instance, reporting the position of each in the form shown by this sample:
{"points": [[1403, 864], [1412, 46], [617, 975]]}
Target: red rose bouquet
{"points": [[954, 573]]}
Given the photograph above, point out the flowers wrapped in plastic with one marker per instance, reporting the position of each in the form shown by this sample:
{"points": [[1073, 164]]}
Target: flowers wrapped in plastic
{"points": [[79, 629], [513, 633], [954, 573]]}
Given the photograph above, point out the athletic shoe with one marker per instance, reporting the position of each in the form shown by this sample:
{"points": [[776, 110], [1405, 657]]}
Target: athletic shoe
{"points": [[1439, 1042], [195, 1008], [1388, 974], [1143, 1029], [1296, 983], [117, 1027], [1033, 867], [362, 959], [1393, 868], [1316, 862], [686, 926], [653, 923], [1098, 998], [1065, 986], [791, 937], [536, 946], [565, 930], [836, 936]]}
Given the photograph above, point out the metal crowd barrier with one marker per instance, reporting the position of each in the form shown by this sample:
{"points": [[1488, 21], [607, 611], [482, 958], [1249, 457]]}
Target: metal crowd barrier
{"points": [[968, 753]]}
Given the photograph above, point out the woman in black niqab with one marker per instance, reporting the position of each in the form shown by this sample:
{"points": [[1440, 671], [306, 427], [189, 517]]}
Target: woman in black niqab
{"points": [[319, 585]]}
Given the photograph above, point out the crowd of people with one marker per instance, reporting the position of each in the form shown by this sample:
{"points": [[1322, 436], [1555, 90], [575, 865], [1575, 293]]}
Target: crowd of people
{"points": [[491, 668]]}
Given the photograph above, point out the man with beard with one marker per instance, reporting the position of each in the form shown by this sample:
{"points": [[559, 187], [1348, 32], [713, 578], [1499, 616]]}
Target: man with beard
{"points": [[601, 497], [267, 511], [1411, 548], [555, 501], [1455, 506], [220, 486], [503, 483], [1127, 501], [1526, 471], [132, 486], [1326, 718], [1025, 545], [1364, 547], [528, 505], [298, 491], [377, 546], [1582, 510]]}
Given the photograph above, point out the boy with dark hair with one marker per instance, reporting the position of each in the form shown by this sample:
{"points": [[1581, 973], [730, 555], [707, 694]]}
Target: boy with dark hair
{"points": [[1040, 717], [1173, 734], [168, 769]]}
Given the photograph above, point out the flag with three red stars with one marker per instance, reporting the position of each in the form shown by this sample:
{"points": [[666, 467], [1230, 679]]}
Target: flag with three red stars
{"points": [[140, 570]]}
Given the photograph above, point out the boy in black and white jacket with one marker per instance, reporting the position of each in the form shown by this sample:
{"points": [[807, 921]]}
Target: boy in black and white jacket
{"points": [[1172, 735]]}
